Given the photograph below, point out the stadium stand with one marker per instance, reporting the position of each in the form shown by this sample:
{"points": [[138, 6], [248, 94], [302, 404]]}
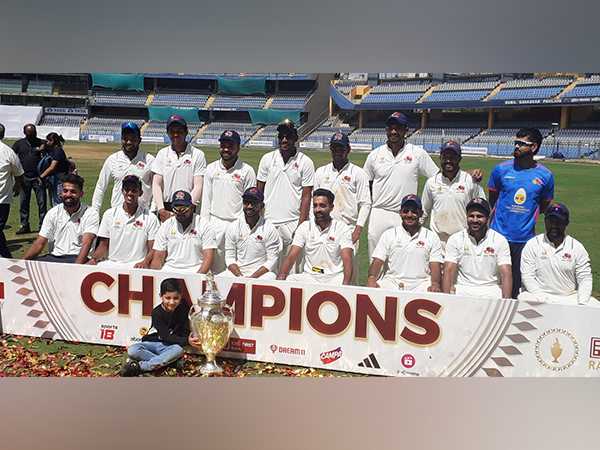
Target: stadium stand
{"points": [[368, 136], [61, 120], [432, 138], [107, 126], [289, 101], [213, 130], [527, 93], [265, 134], [324, 132], [158, 129], [500, 141], [456, 96], [573, 143], [117, 98], [10, 86], [180, 99], [224, 102], [40, 87], [586, 87], [467, 86]]}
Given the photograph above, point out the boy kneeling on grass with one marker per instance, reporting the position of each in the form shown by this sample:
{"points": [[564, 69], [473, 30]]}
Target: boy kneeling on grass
{"points": [[169, 333]]}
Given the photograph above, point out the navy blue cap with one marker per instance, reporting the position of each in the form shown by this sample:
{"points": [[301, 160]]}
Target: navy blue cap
{"points": [[451, 146], [287, 127], [411, 198], [397, 118], [176, 119], [558, 210], [340, 138], [230, 135], [481, 204], [253, 195], [181, 198], [130, 126]]}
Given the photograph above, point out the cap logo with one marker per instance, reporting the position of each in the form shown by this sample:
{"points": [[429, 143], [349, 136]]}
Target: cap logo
{"points": [[179, 195], [228, 133]]}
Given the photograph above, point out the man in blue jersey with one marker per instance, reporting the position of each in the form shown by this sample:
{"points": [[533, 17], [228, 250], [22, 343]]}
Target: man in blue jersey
{"points": [[518, 190]]}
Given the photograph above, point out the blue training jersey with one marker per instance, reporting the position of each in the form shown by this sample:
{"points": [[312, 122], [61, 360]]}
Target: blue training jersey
{"points": [[520, 192]]}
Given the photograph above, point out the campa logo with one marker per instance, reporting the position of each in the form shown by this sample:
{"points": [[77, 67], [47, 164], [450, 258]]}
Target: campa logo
{"points": [[330, 356]]}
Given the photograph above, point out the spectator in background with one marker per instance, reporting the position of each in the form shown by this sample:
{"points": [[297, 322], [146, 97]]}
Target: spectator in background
{"points": [[518, 190], [53, 166], [178, 167], [130, 160], [11, 179], [28, 150]]}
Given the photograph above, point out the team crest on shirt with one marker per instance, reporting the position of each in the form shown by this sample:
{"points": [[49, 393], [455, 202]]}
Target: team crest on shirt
{"points": [[408, 158], [347, 178], [259, 237], [187, 162], [537, 181], [331, 238], [194, 233], [489, 251], [141, 164], [520, 196], [420, 244], [296, 166], [237, 177], [460, 188], [566, 257], [138, 224]]}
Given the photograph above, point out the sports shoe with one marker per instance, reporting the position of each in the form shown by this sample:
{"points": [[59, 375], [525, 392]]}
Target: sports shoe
{"points": [[130, 369]]}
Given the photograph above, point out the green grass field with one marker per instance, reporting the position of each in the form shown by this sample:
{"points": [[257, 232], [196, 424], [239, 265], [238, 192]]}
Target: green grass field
{"points": [[577, 185]]}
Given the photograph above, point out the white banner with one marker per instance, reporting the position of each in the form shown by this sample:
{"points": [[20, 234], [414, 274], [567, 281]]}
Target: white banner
{"points": [[157, 139], [69, 133], [353, 329], [469, 150], [260, 144], [310, 144], [207, 141], [100, 137], [359, 146]]}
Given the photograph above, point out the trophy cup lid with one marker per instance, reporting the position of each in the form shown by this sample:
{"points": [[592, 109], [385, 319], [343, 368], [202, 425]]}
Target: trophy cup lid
{"points": [[211, 296]]}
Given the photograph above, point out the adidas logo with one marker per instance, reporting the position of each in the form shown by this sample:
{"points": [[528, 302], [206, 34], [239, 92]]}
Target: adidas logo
{"points": [[370, 362]]}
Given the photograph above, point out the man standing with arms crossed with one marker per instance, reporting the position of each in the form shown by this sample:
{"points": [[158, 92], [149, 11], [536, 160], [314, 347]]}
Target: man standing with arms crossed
{"points": [[393, 170], [518, 190], [225, 182], [286, 177], [11, 180], [130, 160], [178, 167], [350, 186]]}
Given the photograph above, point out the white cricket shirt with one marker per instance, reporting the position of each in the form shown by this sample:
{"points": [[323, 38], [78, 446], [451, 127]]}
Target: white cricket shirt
{"points": [[395, 177], [178, 172], [10, 167], [128, 235], [65, 232], [284, 183], [116, 167], [251, 248], [223, 189], [562, 270], [184, 247], [478, 263], [350, 186], [408, 257], [322, 248], [446, 201]]}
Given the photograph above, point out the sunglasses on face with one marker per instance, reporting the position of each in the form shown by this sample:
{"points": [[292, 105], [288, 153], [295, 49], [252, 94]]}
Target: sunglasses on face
{"points": [[519, 143]]}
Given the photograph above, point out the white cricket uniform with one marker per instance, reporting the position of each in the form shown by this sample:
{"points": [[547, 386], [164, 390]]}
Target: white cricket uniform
{"points": [[128, 235], [65, 232], [283, 191], [352, 203], [178, 172], [560, 274], [116, 167], [184, 247], [478, 263], [252, 248], [445, 201], [10, 167], [322, 251], [222, 200], [408, 258], [393, 178]]}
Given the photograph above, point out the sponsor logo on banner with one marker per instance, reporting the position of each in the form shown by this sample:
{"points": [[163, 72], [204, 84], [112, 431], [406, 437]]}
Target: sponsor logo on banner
{"points": [[287, 350], [556, 349], [370, 362], [331, 355], [107, 332], [239, 345], [408, 361]]}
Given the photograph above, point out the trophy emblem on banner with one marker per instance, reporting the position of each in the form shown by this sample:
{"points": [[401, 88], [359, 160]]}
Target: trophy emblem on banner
{"points": [[211, 320]]}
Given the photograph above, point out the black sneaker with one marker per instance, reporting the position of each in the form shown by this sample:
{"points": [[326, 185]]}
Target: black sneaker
{"points": [[23, 230], [130, 369]]}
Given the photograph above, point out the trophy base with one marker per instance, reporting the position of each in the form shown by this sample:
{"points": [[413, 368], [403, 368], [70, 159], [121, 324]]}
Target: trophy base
{"points": [[211, 368]]}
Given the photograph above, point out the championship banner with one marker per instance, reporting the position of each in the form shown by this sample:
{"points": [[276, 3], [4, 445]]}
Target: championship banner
{"points": [[311, 144], [353, 329]]}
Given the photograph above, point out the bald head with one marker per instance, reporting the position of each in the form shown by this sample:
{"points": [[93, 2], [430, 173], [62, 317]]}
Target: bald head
{"points": [[30, 131]]}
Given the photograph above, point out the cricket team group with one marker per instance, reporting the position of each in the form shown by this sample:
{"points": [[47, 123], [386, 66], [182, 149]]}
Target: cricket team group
{"points": [[288, 221]]}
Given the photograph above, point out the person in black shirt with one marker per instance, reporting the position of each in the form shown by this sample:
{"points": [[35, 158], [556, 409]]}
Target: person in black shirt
{"points": [[28, 151], [53, 166], [169, 333]]}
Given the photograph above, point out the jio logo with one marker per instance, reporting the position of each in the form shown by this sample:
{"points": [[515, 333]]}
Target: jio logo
{"points": [[408, 361]]}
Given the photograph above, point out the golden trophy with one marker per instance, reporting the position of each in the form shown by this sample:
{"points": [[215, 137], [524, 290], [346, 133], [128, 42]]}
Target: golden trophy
{"points": [[211, 320]]}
